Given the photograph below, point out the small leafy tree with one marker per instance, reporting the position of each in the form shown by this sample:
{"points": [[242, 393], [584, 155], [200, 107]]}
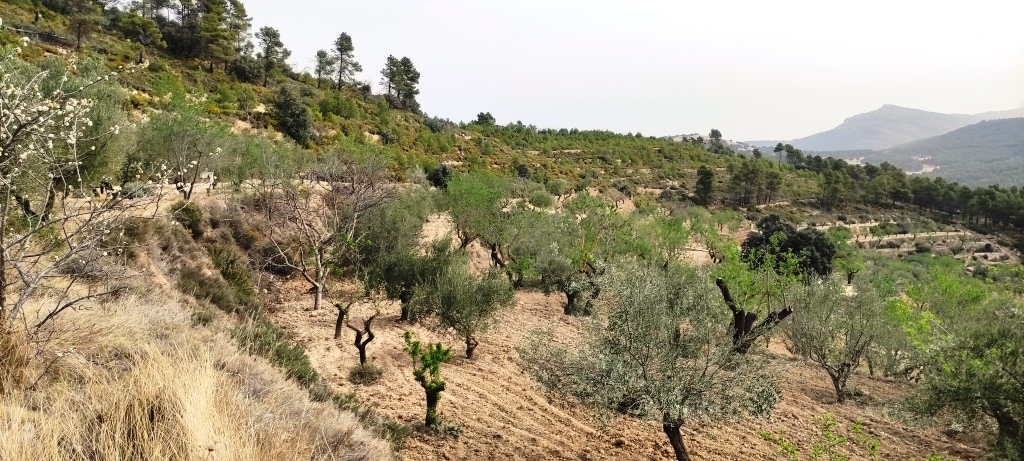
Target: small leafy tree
{"points": [[834, 329], [753, 294], [475, 202], [656, 350], [975, 374], [465, 303], [427, 371], [399, 273], [178, 147], [849, 261]]}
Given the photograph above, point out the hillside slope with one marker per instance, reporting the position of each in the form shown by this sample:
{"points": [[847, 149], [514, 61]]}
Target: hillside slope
{"points": [[497, 411], [890, 126], [989, 152]]}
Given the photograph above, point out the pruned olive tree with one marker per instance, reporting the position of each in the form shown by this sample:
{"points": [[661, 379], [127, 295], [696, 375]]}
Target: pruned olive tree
{"points": [[834, 328], [465, 303], [53, 238], [427, 371], [657, 349], [316, 222]]}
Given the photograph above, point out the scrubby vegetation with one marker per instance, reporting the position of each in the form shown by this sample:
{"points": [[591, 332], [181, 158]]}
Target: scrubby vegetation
{"points": [[674, 261]]}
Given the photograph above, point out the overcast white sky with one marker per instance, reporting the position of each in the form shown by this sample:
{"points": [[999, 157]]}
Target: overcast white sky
{"points": [[754, 70]]}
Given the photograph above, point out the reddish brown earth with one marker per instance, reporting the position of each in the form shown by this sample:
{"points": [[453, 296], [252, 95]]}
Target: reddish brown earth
{"points": [[503, 414]]}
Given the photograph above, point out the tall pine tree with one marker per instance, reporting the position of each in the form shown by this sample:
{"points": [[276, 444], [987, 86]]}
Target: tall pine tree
{"points": [[343, 57], [272, 53]]}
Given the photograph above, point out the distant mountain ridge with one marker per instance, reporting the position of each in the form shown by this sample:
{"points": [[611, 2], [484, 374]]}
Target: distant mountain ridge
{"points": [[988, 152], [891, 126]]}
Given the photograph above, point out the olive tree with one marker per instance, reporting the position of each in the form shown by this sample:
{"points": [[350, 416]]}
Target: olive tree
{"points": [[756, 297], [657, 349], [590, 233], [475, 202], [427, 371], [834, 328], [466, 303], [399, 273]]}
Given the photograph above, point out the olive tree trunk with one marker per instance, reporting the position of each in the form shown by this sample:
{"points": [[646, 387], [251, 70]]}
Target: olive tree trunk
{"points": [[676, 439]]}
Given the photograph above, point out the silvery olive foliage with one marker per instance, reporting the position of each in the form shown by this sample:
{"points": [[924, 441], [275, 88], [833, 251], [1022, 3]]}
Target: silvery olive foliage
{"points": [[658, 347]]}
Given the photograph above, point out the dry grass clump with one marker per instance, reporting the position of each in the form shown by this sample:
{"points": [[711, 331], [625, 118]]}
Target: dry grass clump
{"points": [[132, 380]]}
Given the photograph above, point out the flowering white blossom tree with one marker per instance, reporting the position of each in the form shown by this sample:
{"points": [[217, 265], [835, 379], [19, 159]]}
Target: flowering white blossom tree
{"points": [[52, 241]]}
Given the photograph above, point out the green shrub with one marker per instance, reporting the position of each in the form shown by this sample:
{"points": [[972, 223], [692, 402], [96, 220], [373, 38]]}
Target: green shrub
{"points": [[235, 270], [266, 339], [204, 286], [338, 105], [542, 199], [190, 216], [202, 316]]}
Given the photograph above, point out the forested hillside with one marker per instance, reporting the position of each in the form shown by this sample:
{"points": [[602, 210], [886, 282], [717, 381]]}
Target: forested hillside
{"points": [[207, 254], [990, 152]]}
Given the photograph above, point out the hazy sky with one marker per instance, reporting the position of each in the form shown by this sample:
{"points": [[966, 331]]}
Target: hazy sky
{"points": [[754, 70]]}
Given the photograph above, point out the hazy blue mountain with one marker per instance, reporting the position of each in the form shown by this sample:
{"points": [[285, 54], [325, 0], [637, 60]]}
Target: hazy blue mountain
{"points": [[989, 152], [890, 126]]}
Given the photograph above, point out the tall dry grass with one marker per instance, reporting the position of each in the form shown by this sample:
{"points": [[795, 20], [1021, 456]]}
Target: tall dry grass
{"points": [[133, 380]]}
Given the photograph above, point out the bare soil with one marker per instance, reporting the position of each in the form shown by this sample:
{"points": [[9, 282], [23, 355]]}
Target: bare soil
{"points": [[501, 413]]}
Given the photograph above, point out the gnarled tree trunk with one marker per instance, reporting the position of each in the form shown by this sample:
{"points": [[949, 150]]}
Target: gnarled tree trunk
{"points": [[342, 312], [471, 344], [744, 329], [676, 439]]}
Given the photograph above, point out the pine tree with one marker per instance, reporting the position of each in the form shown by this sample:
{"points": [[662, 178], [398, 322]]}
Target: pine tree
{"points": [[400, 79], [343, 57], [325, 65], [272, 51], [218, 43], [84, 17], [705, 185]]}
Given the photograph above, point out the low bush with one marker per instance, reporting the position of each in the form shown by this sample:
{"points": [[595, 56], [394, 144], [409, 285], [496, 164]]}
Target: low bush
{"points": [[542, 199], [365, 374], [263, 338], [190, 216], [203, 285]]}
